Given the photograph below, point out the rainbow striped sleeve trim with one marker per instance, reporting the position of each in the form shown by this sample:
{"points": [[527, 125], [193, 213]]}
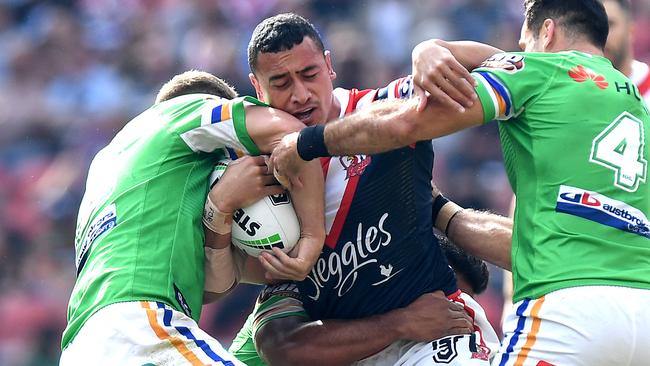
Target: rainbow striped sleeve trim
{"points": [[495, 97]]}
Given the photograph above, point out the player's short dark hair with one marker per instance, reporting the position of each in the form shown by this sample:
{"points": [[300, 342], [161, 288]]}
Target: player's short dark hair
{"points": [[578, 17], [195, 81], [474, 270], [280, 33]]}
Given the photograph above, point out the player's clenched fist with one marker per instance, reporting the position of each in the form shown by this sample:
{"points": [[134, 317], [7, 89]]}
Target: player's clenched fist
{"points": [[436, 71]]}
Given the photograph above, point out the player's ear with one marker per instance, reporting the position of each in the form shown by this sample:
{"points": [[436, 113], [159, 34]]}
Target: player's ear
{"points": [[328, 62], [548, 35], [257, 86]]}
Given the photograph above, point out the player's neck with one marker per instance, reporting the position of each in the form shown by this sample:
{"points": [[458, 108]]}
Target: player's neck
{"points": [[584, 47], [335, 110], [626, 65], [580, 45]]}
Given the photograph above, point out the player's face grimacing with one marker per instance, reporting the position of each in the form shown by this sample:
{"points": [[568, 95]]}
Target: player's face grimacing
{"points": [[298, 81]]}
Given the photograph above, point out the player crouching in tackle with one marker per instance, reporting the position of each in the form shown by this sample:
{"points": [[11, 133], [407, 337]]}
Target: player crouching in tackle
{"points": [[140, 241]]}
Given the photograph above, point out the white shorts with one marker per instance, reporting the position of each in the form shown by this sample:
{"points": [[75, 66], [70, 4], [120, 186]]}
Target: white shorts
{"points": [[141, 333], [458, 350], [590, 326]]}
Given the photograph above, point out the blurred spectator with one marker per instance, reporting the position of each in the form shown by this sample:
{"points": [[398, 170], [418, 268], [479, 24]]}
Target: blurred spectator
{"points": [[73, 72]]}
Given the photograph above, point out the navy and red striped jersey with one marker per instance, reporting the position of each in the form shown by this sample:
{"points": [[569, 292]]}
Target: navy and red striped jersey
{"points": [[379, 252]]}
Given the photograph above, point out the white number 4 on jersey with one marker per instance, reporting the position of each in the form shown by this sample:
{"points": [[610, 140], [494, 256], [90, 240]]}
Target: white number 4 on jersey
{"points": [[620, 147]]}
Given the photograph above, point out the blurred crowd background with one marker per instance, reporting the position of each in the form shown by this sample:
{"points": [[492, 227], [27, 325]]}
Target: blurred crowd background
{"points": [[73, 72]]}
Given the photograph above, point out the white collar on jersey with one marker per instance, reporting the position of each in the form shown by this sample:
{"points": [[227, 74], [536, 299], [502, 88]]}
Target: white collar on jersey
{"points": [[343, 96]]}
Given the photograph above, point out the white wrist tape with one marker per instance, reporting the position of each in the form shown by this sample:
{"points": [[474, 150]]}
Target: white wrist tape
{"points": [[215, 220]]}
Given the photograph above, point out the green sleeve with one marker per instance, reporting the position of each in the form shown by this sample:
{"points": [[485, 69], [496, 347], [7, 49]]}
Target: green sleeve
{"points": [[509, 82], [239, 122]]}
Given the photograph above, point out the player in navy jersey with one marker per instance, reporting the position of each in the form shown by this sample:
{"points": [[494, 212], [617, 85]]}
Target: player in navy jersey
{"points": [[379, 253]]}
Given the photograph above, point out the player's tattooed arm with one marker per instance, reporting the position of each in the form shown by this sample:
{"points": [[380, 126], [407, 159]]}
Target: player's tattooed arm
{"points": [[441, 69], [297, 341]]}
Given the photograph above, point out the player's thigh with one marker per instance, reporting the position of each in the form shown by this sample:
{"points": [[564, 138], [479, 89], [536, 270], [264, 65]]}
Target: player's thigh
{"points": [[140, 333], [577, 326]]}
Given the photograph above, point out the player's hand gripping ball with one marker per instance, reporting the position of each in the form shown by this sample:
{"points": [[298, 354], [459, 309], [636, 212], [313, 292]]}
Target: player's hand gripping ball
{"points": [[268, 223]]}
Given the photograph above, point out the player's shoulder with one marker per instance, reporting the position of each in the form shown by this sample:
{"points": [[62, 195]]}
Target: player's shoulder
{"points": [[517, 62], [354, 99]]}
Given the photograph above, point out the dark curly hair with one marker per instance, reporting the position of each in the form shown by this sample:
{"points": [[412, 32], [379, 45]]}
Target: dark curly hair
{"points": [[474, 270]]}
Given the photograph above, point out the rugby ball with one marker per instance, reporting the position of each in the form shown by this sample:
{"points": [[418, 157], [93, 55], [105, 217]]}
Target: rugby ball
{"points": [[268, 223]]}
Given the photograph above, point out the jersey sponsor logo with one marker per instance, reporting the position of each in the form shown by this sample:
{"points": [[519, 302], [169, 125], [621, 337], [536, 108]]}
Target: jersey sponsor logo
{"points": [[354, 165], [581, 74], [105, 222], [628, 88], [507, 62], [343, 266], [602, 209]]}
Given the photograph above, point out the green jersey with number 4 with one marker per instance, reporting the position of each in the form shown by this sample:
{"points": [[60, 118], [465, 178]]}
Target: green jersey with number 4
{"points": [[573, 132], [139, 235]]}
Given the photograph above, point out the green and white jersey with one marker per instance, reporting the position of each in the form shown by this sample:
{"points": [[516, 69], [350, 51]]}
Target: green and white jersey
{"points": [[139, 234], [573, 133], [274, 302]]}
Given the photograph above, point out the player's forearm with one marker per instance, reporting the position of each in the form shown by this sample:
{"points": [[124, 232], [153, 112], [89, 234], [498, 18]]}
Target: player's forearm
{"points": [[484, 235], [223, 266], [331, 342], [309, 204], [381, 127], [388, 125], [469, 54]]}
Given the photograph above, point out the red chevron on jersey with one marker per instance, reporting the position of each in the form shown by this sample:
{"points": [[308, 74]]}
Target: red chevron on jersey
{"points": [[342, 175], [339, 191]]}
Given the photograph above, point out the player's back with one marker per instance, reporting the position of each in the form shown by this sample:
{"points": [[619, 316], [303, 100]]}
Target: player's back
{"points": [[139, 234], [575, 153]]}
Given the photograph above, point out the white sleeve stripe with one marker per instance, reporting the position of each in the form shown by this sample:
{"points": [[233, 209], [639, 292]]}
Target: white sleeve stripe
{"points": [[212, 137], [206, 116], [490, 91]]}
